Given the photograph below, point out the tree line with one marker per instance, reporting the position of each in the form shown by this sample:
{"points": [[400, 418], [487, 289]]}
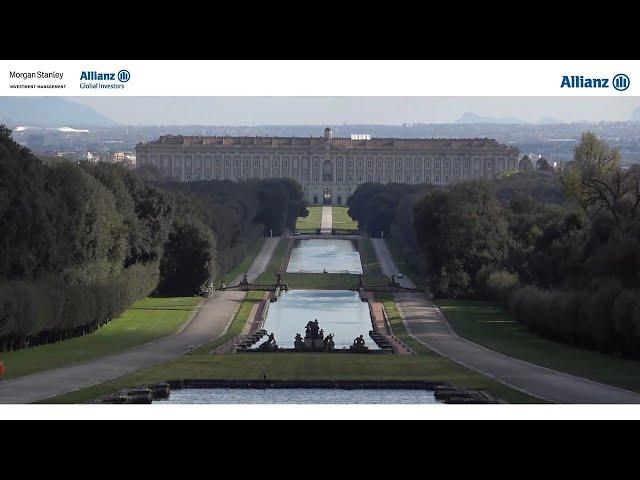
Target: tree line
{"points": [[81, 242], [560, 249]]}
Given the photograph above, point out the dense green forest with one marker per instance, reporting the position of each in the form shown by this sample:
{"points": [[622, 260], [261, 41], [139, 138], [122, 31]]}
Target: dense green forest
{"points": [[81, 242], [561, 250]]}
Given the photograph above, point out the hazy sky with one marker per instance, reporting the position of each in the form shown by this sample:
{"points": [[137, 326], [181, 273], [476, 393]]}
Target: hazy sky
{"points": [[364, 110]]}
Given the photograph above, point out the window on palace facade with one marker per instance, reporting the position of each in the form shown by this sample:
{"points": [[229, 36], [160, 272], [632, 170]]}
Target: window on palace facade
{"points": [[398, 179], [327, 171], [349, 178], [427, 179], [446, 179]]}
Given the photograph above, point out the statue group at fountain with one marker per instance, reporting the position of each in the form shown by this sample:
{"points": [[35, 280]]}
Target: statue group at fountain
{"points": [[270, 345], [314, 340]]}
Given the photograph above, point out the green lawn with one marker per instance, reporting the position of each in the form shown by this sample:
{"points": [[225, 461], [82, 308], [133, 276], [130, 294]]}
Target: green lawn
{"points": [[245, 265], [311, 223], [302, 367], [148, 319], [487, 324], [342, 220]]}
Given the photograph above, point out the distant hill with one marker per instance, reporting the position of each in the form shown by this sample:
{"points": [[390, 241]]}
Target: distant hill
{"points": [[49, 112], [470, 117], [635, 116]]}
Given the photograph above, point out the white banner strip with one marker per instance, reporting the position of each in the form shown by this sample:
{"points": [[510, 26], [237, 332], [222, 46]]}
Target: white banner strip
{"points": [[321, 412], [319, 78]]}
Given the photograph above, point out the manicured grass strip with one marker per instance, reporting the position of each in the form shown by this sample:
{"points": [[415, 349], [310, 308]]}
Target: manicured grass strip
{"points": [[245, 265], [342, 220], [310, 223], [474, 381], [276, 264], [236, 326], [486, 323], [372, 272], [302, 367], [149, 319], [321, 281]]}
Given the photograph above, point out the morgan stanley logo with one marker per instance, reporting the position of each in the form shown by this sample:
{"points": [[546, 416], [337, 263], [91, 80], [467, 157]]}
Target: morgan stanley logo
{"points": [[619, 82]]}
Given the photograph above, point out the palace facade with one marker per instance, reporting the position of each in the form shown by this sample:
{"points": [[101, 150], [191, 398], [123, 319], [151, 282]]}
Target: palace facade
{"points": [[329, 169]]}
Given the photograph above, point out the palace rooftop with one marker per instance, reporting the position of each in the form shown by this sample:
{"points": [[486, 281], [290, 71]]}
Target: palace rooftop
{"points": [[348, 143]]}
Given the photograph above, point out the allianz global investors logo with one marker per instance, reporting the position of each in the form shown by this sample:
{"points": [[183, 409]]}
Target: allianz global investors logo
{"points": [[100, 80], [619, 82]]}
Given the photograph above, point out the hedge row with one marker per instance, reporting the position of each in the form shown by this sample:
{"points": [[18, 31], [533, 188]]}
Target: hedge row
{"points": [[37, 313], [607, 320]]}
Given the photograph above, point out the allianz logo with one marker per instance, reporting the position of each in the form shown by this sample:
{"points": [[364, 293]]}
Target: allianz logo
{"points": [[619, 82], [122, 76]]}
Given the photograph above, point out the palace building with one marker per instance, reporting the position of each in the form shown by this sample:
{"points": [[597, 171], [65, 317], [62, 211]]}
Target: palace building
{"points": [[328, 168]]}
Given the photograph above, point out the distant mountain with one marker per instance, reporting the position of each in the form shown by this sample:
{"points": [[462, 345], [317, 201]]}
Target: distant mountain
{"points": [[49, 112], [635, 116], [470, 117]]}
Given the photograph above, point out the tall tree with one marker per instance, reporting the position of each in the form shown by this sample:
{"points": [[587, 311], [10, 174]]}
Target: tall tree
{"points": [[526, 165]]}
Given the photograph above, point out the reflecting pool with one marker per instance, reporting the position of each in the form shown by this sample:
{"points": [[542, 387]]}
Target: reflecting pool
{"points": [[302, 396], [320, 255], [340, 312]]}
